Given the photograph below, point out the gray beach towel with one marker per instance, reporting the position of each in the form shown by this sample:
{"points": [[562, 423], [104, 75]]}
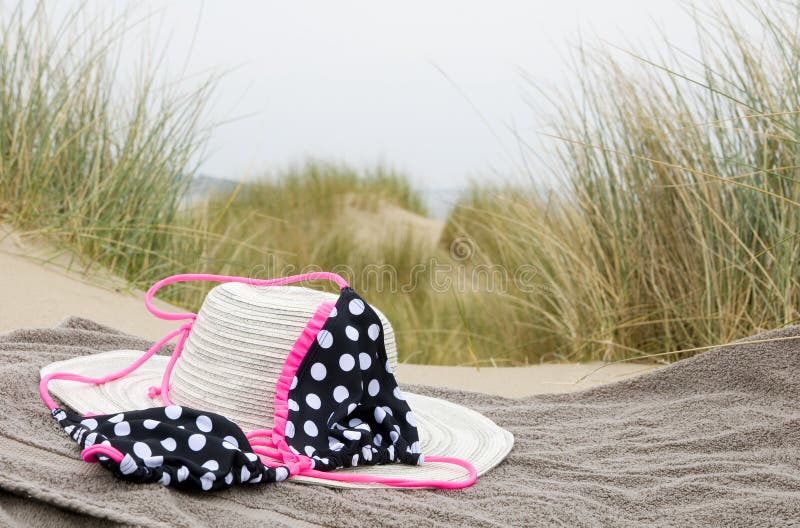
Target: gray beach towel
{"points": [[711, 440]]}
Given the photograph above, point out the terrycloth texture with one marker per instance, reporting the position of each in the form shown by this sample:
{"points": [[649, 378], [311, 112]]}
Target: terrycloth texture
{"points": [[711, 440]]}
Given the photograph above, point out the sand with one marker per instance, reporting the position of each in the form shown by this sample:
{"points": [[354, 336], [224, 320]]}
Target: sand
{"points": [[40, 290], [386, 221], [42, 287]]}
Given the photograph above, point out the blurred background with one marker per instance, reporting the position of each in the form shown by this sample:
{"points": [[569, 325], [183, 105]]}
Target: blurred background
{"points": [[510, 182], [441, 91]]}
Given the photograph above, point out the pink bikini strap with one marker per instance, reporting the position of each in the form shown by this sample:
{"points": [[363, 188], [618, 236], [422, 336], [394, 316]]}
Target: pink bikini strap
{"points": [[260, 440], [193, 277], [183, 330], [402, 482]]}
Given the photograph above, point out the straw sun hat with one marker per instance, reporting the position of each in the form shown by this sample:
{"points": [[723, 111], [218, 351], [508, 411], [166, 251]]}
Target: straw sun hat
{"points": [[232, 360]]}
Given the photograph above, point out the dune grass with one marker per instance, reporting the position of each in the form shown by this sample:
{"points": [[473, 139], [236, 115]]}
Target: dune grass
{"points": [[671, 223], [102, 172], [675, 220], [96, 168]]}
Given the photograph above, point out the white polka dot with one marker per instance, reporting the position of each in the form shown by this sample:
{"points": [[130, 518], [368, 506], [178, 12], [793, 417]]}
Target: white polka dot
{"points": [[334, 312], [313, 400], [364, 361], [388, 367], [173, 412], [352, 435], [231, 442], [373, 387], [411, 419], [340, 393], [380, 414], [390, 452], [366, 453], [309, 450], [388, 410], [165, 479], [211, 465], [203, 423], [334, 443], [281, 474], [354, 462], [394, 436], [154, 461], [89, 423], [169, 444], [310, 428], [142, 450], [183, 473], [347, 362], [69, 429], [377, 440], [356, 307], [245, 474], [150, 424], [351, 332], [351, 408], [364, 427], [207, 481], [292, 405], [229, 478], [374, 331], [116, 418], [318, 371], [325, 339], [122, 429], [415, 447], [293, 450], [354, 422], [91, 438], [256, 479], [196, 442], [289, 433], [294, 382], [127, 465], [398, 394], [252, 457]]}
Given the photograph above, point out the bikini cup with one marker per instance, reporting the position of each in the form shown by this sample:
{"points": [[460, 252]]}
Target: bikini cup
{"points": [[337, 405]]}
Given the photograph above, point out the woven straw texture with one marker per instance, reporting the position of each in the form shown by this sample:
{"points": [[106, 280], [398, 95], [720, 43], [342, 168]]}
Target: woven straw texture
{"points": [[235, 352]]}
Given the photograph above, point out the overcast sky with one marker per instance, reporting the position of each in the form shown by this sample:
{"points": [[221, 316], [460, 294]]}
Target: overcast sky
{"points": [[431, 87]]}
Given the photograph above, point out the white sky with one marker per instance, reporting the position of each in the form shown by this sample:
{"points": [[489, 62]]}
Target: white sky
{"points": [[360, 81]]}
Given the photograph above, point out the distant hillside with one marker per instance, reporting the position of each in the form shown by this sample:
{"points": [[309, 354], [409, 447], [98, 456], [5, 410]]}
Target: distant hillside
{"points": [[202, 186]]}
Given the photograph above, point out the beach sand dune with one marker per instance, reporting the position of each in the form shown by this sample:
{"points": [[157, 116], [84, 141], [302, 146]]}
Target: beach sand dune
{"points": [[42, 287]]}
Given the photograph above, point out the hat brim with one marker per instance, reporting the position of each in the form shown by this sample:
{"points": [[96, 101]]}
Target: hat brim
{"points": [[445, 428]]}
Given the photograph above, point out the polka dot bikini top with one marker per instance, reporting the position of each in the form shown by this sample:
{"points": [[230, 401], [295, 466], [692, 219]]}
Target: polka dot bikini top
{"points": [[337, 405]]}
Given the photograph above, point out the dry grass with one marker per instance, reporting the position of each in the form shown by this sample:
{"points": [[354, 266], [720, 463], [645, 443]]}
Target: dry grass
{"points": [[675, 221]]}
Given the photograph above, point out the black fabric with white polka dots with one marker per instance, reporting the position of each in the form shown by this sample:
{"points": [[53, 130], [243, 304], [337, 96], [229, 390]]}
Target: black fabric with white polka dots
{"points": [[345, 408], [176, 446]]}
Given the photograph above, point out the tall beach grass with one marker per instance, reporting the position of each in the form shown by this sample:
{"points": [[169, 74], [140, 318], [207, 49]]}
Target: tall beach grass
{"points": [[89, 165], [675, 220], [671, 222]]}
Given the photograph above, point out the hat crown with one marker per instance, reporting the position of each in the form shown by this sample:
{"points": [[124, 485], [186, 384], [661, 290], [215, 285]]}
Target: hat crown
{"points": [[238, 344]]}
